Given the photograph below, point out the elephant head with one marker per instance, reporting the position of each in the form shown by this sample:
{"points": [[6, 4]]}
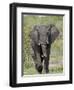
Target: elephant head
{"points": [[44, 35]]}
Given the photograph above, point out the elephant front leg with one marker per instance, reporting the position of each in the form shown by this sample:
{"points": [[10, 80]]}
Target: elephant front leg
{"points": [[46, 60], [46, 65], [38, 65]]}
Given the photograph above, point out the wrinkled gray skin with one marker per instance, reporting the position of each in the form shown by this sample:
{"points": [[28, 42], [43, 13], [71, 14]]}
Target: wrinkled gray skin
{"points": [[42, 36]]}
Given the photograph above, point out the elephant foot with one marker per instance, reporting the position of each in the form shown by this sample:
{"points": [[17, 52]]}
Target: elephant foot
{"points": [[39, 68], [47, 71]]}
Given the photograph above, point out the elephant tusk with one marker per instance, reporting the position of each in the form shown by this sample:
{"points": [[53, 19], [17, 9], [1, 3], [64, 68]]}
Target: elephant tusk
{"points": [[39, 44], [42, 56], [47, 42]]}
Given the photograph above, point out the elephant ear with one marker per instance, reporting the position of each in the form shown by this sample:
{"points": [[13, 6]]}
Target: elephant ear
{"points": [[34, 34], [52, 33]]}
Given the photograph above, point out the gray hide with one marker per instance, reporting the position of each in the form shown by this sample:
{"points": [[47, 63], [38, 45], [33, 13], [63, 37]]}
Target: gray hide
{"points": [[42, 36]]}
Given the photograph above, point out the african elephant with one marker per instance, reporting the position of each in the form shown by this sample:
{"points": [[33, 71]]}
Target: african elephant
{"points": [[42, 36]]}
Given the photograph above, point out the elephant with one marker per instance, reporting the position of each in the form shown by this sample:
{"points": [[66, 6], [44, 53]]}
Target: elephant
{"points": [[42, 36]]}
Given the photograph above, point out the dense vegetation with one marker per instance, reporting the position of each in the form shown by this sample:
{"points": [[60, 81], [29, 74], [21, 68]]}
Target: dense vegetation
{"points": [[56, 57]]}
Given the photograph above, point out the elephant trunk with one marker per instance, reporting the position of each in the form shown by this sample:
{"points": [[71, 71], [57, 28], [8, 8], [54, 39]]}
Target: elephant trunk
{"points": [[44, 51]]}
